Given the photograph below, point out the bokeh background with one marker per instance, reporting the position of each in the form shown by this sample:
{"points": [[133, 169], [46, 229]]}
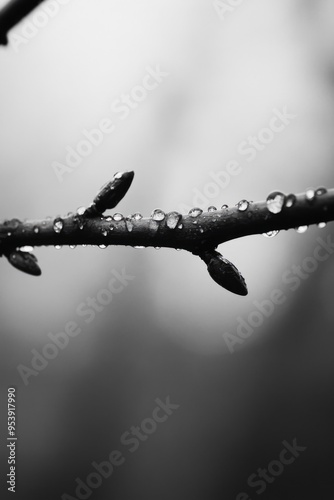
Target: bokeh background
{"points": [[163, 335]]}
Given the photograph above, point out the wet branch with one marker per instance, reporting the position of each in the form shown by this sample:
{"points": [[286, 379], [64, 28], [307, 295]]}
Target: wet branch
{"points": [[197, 232]]}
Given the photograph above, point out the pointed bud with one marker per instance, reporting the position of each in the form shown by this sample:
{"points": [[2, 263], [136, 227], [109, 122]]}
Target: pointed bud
{"points": [[24, 261], [111, 194], [223, 272]]}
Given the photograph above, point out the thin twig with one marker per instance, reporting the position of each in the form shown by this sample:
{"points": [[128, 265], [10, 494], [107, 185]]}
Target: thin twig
{"points": [[197, 232]]}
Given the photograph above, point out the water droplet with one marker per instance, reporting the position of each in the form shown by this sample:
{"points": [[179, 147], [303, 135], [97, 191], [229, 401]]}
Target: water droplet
{"points": [[9, 233], [81, 226], [58, 225], [243, 205], [157, 248], [212, 209], [36, 230], [27, 249], [105, 233], [178, 249], [320, 191], [224, 207], [275, 202], [118, 175], [180, 226], [195, 212], [129, 225], [138, 246], [83, 246], [195, 221], [201, 230], [173, 218], [102, 246], [271, 234], [321, 225], [136, 216], [118, 217], [290, 200], [158, 215], [310, 195], [57, 247], [81, 210], [108, 219], [301, 229], [72, 247]]}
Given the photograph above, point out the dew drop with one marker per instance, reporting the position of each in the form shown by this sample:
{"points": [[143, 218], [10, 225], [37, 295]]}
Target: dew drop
{"points": [[58, 225], [321, 225], [9, 233], [212, 209], [320, 191], [301, 229], [271, 234], [195, 212], [290, 200], [108, 219], [157, 248], [158, 215], [275, 202], [81, 226], [137, 216], [81, 210], [129, 225], [224, 207], [118, 175], [36, 230], [243, 205], [180, 226], [173, 219], [102, 246], [138, 246], [27, 249], [57, 247], [83, 246], [201, 230], [105, 233], [72, 247], [118, 217], [310, 195]]}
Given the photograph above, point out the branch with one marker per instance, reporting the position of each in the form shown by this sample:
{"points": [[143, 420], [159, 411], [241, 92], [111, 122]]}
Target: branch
{"points": [[12, 14], [197, 232]]}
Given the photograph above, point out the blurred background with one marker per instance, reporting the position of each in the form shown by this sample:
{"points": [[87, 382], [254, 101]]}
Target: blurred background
{"points": [[163, 335]]}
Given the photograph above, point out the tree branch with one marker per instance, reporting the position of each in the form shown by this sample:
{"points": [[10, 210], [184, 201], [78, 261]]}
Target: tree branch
{"points": [[197, 232], [12, 14]]}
